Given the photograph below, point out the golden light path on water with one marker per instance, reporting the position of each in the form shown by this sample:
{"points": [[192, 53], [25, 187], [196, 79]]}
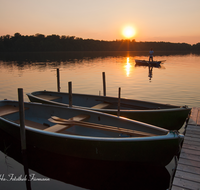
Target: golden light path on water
{"points": [[128, 67]]}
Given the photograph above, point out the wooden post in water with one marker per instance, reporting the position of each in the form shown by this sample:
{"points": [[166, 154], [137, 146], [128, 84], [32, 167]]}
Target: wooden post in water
{"points": [[104, 84], [21, 117], [23, 137], [70, 93], [58, 80], [119, 97]]}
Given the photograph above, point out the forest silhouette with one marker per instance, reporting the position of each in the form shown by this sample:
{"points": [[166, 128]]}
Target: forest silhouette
{"points": [[42, 43]]}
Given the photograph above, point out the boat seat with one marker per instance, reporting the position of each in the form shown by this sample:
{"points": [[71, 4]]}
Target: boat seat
{"points": [[101, 105], [59, 128], [9, 109], [33, 124], [48, 97]]}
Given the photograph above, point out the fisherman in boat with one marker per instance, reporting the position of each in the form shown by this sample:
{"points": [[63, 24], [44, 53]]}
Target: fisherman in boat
{"points": [[151, 55]]}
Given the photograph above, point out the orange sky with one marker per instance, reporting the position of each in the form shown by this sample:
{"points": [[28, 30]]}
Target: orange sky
{"points": [[167, 20]]}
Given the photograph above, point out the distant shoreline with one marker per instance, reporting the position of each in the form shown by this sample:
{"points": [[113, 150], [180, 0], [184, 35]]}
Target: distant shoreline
{"points": [[52, 43], [74, 56]]}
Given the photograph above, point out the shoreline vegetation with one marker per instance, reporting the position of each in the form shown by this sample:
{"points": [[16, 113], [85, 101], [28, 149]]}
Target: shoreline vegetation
{"points": [[55, 43]]}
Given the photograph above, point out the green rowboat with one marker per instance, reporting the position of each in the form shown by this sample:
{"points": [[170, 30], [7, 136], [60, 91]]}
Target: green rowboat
{"points": [[167, 116], [90, 135]]}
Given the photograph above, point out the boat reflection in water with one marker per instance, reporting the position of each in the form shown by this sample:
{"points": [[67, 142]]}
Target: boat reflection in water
{"points": [[150, 68], [85, 173]]}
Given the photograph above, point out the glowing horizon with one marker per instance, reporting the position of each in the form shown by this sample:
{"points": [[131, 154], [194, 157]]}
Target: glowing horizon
{"points": [[172, 21]]}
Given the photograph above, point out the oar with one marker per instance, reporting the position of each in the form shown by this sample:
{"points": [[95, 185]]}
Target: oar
{"points": [[162, 61], [61, 121]]}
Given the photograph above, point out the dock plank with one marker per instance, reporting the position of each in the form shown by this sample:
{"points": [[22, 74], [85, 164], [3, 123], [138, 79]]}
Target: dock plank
{"points": [[189, 142], [189, 162], [189, 133], [190, 151], [192, 139], [191, 147], [193, 127], [177, 188], [193, 130], [194, 136], [189, 156], [193, 116], [198, 118], [188, 169], [185, 184], [187, 175]]}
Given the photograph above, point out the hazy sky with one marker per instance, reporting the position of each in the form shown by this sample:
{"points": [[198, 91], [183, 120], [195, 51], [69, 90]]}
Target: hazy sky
{"points": [[153, 20]]}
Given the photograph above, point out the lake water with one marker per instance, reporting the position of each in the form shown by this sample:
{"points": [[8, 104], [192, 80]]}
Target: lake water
{"points": [[175, 82]]}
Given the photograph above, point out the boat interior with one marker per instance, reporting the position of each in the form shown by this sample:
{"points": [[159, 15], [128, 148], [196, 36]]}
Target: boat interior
{"points": [[98, 102], [78, 125]]}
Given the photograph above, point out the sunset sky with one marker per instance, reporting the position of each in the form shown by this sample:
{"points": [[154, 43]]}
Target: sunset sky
{"points": [[155, 20]]}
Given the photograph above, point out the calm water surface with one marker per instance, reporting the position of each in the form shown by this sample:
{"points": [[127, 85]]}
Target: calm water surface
{"points": [[175, 82]]}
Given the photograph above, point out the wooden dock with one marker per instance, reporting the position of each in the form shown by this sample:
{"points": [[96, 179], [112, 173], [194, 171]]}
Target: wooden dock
{"points": [[187, 175]]}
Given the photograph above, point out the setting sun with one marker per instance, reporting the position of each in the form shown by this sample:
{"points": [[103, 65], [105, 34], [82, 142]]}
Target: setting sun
{"points": [[128, 32]]}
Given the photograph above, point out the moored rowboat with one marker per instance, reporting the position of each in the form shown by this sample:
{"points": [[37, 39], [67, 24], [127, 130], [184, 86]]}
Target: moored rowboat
{"points": [[163, 115], [66, 133]]}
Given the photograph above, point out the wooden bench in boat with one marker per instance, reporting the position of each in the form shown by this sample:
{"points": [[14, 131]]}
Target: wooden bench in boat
{"points": [[9, 109], [59, 128], [33, 124], [101, 105], [48, 97]]}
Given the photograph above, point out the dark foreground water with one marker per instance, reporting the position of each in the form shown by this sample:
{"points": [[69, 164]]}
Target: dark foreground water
{"points": [[53, 171], [175, 82]]}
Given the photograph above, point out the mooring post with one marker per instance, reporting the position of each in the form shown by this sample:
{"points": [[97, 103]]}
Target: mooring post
{"points": [[58, 80], [21, 117], [23, 137], [70, 93], [119, 97], [104, 84]]}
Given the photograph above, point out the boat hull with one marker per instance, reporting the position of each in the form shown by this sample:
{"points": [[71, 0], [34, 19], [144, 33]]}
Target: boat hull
{"points": [[158, 150], [162, 115], [148, 63], [145, 151], [87, 173]]}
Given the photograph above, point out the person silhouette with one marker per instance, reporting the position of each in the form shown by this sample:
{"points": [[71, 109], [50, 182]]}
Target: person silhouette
{"points": [[151, 55]]}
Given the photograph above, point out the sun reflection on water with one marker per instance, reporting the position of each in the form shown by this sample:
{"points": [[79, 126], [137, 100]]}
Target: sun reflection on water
{"points": [[128, 67]]}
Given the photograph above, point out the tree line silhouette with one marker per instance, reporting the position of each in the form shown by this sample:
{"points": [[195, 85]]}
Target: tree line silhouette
{"points": [[42, 43]]}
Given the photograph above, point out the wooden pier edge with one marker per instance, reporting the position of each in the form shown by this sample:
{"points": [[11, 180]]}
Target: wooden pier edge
{"points": [[187, 174]]}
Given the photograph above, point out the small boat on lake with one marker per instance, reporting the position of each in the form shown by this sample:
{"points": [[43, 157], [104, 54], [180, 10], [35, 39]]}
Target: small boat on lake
{"points": [[167, 116], [148, 63], [90, 135]]}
